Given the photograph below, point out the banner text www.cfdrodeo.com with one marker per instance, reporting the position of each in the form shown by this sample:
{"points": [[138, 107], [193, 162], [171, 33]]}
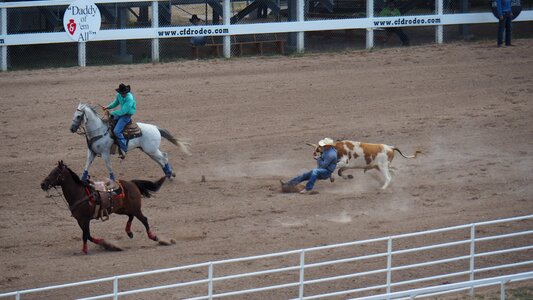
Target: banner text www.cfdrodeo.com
{"points": [[193, 31], [408, 21]]}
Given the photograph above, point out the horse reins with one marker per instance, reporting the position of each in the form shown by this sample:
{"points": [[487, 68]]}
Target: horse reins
{"points": [[82, 131], [72, 207], [59, 194]]}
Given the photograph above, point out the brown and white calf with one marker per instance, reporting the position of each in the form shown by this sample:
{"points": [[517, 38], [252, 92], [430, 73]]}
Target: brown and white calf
{"points": [[357, 155]]}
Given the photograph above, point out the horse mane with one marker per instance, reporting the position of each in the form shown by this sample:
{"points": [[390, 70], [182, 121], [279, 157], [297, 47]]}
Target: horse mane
{"points": [[93, 109], [75, 176]]}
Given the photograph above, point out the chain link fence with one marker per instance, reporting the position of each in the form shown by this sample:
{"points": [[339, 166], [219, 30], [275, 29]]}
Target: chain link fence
{"points": [[176, 13]]}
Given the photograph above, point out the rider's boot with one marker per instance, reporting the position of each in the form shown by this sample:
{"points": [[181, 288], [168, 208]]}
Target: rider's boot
{"points": [[122, 149]]}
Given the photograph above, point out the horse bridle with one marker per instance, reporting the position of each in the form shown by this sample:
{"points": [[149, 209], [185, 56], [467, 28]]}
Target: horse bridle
{"points": [[78, 122], [82, 131], [59, 178]]}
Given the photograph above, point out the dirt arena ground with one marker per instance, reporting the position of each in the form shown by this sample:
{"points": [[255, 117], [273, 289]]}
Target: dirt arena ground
{"points": [[468, 106]]}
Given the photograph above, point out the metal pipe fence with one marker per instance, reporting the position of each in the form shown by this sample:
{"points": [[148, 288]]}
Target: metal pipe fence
{"points": [[466, 254], [154, 31]]}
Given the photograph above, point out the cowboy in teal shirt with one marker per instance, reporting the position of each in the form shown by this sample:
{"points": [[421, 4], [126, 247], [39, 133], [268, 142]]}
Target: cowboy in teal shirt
{"points": [[122, 115]]}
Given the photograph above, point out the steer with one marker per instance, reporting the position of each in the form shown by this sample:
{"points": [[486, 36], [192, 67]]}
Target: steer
{"points": [[357, 155]]}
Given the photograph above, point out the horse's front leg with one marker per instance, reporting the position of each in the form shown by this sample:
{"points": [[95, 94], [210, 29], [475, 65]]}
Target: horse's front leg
{"points": [[84, 225], [90, 158], [107, 159]]}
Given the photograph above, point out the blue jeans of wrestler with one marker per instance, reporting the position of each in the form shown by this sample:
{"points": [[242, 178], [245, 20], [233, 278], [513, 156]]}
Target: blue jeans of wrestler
{"points": [[505, 25], [311, 177], [122, 121]]}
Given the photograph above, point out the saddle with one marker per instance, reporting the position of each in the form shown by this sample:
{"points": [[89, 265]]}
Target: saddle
{"points": [[108, 198], [130, 131]]}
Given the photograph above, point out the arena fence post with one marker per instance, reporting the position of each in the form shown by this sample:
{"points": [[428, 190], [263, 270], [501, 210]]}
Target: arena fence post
{"points": [[389, 264], [3, 31], [300, 7], [226, 12], [115, 288], [155, 24], [369, 31], [502, 290], [472, 254], [210, 283], [439, 29], [82, 54], [302, 274]]}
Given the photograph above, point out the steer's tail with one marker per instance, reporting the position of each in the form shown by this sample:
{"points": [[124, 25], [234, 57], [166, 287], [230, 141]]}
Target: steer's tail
{"points": [[409, 156], [184, 146]]}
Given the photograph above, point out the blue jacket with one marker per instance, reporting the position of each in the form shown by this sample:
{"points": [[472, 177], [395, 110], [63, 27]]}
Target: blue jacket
{"points": [[328, 159], [503, 6]]}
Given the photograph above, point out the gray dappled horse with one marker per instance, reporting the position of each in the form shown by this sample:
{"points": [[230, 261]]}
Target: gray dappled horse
{"points": [[99, 140]]}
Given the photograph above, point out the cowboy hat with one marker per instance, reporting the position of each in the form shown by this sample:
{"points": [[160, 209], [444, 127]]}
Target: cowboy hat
{"points": [[194, 18], [123, 89], [326, 142]]}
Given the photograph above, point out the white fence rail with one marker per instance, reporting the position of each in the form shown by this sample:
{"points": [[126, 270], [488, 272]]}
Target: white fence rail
{"points": [[512, 255], [298, 26]]}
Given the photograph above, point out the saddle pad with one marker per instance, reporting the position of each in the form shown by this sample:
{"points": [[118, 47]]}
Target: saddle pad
{"points": [[107, 186], [132, 130]]}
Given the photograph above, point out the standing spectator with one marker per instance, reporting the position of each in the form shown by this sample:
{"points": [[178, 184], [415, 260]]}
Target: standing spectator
{"points": [[262, 10], [505, 16], [390, 10]]}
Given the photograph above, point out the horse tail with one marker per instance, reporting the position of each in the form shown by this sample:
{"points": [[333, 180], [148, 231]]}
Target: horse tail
{"points": [[145, 186], [184, 146]]}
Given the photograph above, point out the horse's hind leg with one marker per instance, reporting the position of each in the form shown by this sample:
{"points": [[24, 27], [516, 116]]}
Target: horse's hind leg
{"points": [[144, 220], [162, 159], [128, 227]]}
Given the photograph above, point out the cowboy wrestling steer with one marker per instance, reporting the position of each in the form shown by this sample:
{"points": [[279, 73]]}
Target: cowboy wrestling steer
{"points": [[357, 155]]}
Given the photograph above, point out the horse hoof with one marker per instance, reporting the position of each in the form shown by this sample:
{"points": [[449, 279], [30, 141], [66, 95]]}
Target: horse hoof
{"points": [[350, 176], [130, 235]]}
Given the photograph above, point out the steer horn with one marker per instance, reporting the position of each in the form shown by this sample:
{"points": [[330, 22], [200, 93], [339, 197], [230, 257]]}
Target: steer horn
{"points": [[312, 145]]}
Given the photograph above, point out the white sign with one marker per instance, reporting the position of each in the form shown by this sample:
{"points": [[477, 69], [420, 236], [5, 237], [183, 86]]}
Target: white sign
{"points": [[82, 20]]}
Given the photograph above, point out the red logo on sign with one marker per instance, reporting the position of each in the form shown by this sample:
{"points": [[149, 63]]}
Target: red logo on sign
{"points": [[71, 26]]}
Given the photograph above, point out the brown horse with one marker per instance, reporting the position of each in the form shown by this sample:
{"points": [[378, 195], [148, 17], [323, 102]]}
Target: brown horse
{"points": [[82, 200]]}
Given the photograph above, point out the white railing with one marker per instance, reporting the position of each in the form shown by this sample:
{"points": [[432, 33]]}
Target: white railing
{"points": [[438, 19], [465, 250]]}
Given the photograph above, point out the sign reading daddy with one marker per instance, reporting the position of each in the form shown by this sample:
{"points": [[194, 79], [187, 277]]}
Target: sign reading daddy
{"points": [[82, 20]]}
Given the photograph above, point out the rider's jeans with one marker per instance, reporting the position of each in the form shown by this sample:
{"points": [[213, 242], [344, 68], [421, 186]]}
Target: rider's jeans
{"points": [[311, 177], [122, 121]]}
